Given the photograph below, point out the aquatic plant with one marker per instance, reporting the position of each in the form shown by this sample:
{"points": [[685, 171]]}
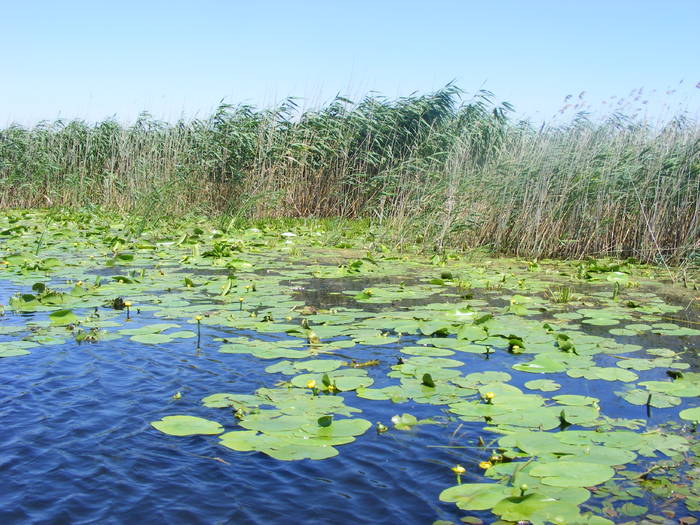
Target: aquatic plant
{"points": [[564, 397], [440, 170]]}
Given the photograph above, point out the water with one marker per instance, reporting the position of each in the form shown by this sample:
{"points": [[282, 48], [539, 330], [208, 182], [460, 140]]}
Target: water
{"points": [[77, 446]]}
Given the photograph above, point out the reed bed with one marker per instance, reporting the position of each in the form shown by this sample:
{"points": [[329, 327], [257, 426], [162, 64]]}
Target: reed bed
{"points": [[429, 169]]}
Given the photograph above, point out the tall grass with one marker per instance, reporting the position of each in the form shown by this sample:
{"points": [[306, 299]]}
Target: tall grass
{"points": [[428, 168]]}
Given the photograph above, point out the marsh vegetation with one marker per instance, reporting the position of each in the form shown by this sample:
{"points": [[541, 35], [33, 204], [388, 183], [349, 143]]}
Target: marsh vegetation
{"points": [[432, 169], [311, 365], [419, 306]]}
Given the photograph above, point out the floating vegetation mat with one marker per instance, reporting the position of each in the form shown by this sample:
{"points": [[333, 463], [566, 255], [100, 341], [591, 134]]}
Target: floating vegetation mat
{"points": [[529, 392]]}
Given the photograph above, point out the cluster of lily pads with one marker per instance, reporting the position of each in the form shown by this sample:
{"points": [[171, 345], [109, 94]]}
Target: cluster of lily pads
{"points": [[540, 333]]}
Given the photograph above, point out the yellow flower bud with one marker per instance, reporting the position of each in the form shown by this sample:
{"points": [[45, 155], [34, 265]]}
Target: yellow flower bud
{"points": [[459, 469], [197, 318], [485, 465], [311, 384], [127, 304], [489, 395]]}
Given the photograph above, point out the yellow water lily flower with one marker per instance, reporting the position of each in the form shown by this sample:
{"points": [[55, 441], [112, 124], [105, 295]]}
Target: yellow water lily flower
{"points": [[459, 469], [485, 465], [127, 304], [197, 318], [311, 383]]}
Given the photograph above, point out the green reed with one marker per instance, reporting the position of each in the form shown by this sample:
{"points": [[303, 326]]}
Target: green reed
{"points": [[428, 169]]}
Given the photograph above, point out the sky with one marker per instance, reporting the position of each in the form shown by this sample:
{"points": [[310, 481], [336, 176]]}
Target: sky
{"points": [[97, 59]]}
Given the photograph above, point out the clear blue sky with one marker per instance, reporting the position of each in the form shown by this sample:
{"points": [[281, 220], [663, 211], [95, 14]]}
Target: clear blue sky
{"points": [[93, 59]]}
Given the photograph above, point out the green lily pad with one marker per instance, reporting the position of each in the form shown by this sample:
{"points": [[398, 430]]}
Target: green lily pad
{"points": [[601, 321], [575, 400], [224, 400], [63, 317], [279, 447], [606, 374], [475, 496], [572, 473], [338, 428], [537, 508], [187, 426], [13, 352], [404, 421], [151, 339], [655, 399], [680, 387], [545, 385], [690, 414], [540, 366]]}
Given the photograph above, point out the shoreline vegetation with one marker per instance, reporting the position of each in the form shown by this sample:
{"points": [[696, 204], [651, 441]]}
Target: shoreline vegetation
{"points": [[432, 170]]}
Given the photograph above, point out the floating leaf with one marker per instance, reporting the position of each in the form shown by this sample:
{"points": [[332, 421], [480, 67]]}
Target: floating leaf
{"points": [[475, 496], [690, 414], [545, 385], [632, 510], [607, 374], [404, 421], [13, 352], [537, 508], [575, 400], [63, 317], [642, 397], [187, 426], [572, 473]]}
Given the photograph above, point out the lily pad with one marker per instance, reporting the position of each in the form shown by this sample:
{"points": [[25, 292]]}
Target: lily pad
{"points": [[187, 426], [475, 496], [545, 385], [63, 317], [690, 414], [572, 473]]}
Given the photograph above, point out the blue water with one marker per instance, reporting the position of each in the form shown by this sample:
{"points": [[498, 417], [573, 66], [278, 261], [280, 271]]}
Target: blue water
{"points": [[77, 447]]}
